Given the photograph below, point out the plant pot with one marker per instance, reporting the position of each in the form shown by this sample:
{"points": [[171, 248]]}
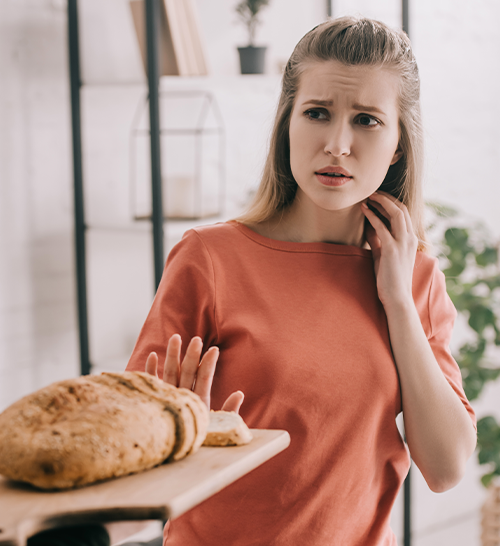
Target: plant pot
{"points": [[490, 512], [252, 59]]}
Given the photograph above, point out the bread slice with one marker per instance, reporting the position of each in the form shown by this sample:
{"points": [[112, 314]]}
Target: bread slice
{"points": [[79, 431], [227, 428], [201, 415], [177, 403]]}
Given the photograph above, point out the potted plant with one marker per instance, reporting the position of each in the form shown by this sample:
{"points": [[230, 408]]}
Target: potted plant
{"points": [[472, 271], [252, 58]]}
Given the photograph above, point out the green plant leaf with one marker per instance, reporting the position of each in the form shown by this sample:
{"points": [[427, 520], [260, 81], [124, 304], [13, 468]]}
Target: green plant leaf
{"points": [[480, 316], [469, 358], [492, 282], [250, 8], [488, 444], [487, 257], [473, 290], [457, 240], [486, 478], [488, 426], [472, 353], [456, 268]]}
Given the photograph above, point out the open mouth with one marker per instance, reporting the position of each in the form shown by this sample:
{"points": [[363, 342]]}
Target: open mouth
{"points": [[334, 175], [333, 178]]}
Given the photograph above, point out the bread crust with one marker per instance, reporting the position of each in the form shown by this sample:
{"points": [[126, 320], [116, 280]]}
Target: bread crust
{"points": [[173, 402], [201, 413], [92, 428]]}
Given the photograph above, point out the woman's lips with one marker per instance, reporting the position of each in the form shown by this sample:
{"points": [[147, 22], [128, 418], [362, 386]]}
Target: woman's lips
{"points": [[333, 180]]}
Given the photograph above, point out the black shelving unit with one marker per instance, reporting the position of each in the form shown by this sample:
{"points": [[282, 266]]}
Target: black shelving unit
{"points": [[152, 34], [157, 219], [79, 223]]}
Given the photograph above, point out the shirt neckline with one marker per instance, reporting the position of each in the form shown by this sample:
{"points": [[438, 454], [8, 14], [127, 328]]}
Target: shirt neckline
{"points": [[329, 248]]}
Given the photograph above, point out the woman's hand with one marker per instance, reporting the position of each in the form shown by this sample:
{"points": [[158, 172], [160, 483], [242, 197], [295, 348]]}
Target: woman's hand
{"points": [[192, 374], [393, 251]]}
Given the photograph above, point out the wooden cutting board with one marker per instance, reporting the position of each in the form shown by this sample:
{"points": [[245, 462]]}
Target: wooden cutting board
{"points": [[164, 492]]}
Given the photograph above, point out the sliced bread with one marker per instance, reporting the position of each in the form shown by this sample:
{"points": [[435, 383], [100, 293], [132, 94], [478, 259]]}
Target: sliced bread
{"points": [[91, 428], [227, 428]]}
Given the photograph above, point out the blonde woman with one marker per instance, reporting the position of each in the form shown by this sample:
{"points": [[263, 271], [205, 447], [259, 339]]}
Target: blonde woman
{"points": [[321, 305]]}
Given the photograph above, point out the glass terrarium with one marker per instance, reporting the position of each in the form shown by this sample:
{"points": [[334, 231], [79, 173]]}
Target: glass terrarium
{"points": [[192, 157]]}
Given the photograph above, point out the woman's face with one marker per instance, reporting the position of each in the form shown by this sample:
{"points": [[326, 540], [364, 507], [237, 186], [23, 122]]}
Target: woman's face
{"points": [[344, 117]]}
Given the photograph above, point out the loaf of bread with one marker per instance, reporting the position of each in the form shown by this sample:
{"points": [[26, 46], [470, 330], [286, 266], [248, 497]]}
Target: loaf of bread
{"points": [[227, 428], [79, 431]]}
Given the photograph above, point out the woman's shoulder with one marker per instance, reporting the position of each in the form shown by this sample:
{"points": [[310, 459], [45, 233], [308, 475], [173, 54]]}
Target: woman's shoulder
{"points": [[429, 289], [425, 263], [217, 232], [202, 244], [425, 267], [210, 236]]}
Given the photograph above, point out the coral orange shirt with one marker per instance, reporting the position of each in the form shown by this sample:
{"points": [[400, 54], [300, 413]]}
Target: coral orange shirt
{"points": [[303, 334]]}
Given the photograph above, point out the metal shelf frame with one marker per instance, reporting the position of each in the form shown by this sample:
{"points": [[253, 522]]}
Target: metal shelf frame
{"points": [[197, 131], [80, 227]]}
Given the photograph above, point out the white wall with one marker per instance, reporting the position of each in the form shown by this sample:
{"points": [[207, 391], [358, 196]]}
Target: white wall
{"points": [[456, 46], [38, 340]]}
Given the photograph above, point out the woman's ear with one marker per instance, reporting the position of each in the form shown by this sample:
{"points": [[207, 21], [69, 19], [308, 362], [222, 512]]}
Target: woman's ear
{"points": [[398, 154]]}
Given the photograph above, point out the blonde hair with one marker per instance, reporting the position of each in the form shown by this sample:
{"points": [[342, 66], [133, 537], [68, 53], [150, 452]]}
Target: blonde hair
{"points": [[352, 41]]}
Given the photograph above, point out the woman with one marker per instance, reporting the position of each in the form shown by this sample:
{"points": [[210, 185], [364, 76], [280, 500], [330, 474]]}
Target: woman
{"points": [[327, 312]]}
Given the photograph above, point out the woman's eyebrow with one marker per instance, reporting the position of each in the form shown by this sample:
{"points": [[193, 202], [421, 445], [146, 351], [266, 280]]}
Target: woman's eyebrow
{"points": [[358, 107], [363, 108], [319, 102]]}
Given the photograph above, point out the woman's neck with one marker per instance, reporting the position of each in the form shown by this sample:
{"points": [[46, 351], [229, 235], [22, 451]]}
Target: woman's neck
{"points": [[303, 222]]}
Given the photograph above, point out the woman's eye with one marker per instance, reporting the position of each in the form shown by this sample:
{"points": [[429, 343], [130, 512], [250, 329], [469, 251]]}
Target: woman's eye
{"points": [[368, 121], [315, 114]]}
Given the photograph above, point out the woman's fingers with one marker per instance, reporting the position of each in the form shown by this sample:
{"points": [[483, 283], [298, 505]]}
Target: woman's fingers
{"points": [[152, 364], [395, 211], [372, 238], [383, 234], [191, 374], [234, 401], [189, 367], [205, 375], [379, 207], [171, 368]]}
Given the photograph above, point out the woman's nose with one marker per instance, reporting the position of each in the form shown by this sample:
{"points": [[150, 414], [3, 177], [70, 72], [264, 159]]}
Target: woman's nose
{"points": [[339, 140]]}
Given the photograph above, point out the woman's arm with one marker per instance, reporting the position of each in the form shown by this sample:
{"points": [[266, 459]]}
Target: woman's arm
{"points": [[438, 429]]}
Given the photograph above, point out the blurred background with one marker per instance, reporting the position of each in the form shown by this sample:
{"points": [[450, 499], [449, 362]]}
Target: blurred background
{"points": [[457, 46]]}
